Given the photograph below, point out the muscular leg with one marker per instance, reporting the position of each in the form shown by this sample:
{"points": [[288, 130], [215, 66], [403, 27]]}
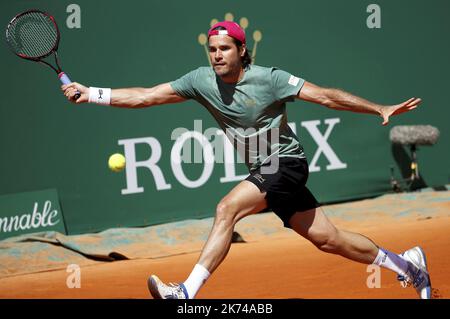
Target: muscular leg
{"points": [[243, 200], [317, 228]]}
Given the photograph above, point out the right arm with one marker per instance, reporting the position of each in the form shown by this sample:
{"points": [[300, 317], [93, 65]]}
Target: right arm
{"points": [[341, 100], [129, 97]]}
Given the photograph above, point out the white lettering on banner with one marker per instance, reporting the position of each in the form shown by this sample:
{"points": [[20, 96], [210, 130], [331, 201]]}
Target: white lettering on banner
{"points": [[151, 164], [186, 156], [176, 133], [27, 218], [217, 141], [45, 212], [208, 155], [36, 215], [221, 150], [324, 147], [32, 220]]}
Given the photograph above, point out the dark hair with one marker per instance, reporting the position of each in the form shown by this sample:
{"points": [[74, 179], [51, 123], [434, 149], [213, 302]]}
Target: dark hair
{"points": [[247, 58]]}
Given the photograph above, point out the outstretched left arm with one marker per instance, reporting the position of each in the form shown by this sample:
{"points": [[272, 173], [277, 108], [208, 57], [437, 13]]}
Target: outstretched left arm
{"points": [[341, 100]]}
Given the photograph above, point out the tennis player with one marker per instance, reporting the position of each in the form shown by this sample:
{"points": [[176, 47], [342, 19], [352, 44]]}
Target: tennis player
{"points": [[249, 101]]}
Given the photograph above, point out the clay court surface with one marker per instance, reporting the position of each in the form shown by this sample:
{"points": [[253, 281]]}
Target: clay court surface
{"points": [[282, 265]]}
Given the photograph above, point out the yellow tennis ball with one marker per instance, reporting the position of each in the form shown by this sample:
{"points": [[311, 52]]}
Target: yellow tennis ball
{"points": [[116, 162]]}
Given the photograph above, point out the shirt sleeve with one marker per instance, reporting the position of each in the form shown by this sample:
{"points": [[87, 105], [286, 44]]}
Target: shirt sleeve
{"points": [[285, 86], [184, 86]]}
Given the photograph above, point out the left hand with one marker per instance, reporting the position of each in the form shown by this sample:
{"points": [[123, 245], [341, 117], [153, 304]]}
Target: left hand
{"points": [[406, 106]]}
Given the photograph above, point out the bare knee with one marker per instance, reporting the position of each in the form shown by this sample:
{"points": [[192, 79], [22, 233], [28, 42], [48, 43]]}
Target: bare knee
{"points": [[225, 213]]}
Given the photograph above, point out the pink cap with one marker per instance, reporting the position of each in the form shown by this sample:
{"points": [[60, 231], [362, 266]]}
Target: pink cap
{"points": [[232, 29]]}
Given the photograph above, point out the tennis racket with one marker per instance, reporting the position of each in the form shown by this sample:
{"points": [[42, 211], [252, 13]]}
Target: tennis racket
{"points": [[34, 35]]}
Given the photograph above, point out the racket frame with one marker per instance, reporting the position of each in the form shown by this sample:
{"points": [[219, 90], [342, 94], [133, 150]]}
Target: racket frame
{"points": [[61, 75], [39, 58]]}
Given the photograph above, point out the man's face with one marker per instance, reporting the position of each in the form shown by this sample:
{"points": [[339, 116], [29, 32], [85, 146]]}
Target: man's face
{"points": [[225, 55]]}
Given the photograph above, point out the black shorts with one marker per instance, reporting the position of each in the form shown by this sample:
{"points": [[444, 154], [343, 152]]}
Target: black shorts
{"points": [[286, 188]]}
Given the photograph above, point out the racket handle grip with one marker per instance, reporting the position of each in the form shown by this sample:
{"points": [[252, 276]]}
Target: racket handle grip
{"points": [[65, 80]]}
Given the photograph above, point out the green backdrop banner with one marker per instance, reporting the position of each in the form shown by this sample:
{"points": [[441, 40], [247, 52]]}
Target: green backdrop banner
{"points": [[30, 212], [386, 52]]}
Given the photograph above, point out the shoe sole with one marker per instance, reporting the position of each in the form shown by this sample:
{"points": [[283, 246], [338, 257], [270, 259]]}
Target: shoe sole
{"points": [[152, 284], [428, 289], [424, 258]]}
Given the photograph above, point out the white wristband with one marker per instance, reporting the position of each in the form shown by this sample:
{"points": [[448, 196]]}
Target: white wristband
{"points": [[100, 95]]}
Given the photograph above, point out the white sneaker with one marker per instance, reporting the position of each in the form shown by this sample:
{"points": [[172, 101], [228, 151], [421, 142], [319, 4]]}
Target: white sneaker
{"points": [[160, 290], [417, 273]]}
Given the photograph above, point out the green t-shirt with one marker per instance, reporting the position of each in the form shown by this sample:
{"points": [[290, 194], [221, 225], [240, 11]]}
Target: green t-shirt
{"points": [[251, 112]]}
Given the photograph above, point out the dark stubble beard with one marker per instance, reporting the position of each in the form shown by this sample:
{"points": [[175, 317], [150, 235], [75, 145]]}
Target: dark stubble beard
{"points": [[233, 71]]}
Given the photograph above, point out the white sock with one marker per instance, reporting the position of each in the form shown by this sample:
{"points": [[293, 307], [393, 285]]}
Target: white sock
{"points": [[389, 260], [196, 279]]}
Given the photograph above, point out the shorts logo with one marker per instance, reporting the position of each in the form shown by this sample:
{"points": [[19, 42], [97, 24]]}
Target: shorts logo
{"points": [[293, 80], [243, 22], [259, 178]]}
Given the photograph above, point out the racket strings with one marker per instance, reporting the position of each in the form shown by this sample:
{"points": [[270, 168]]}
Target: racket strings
{"points": [[40, 37], [33, 35], [43, 45]]}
